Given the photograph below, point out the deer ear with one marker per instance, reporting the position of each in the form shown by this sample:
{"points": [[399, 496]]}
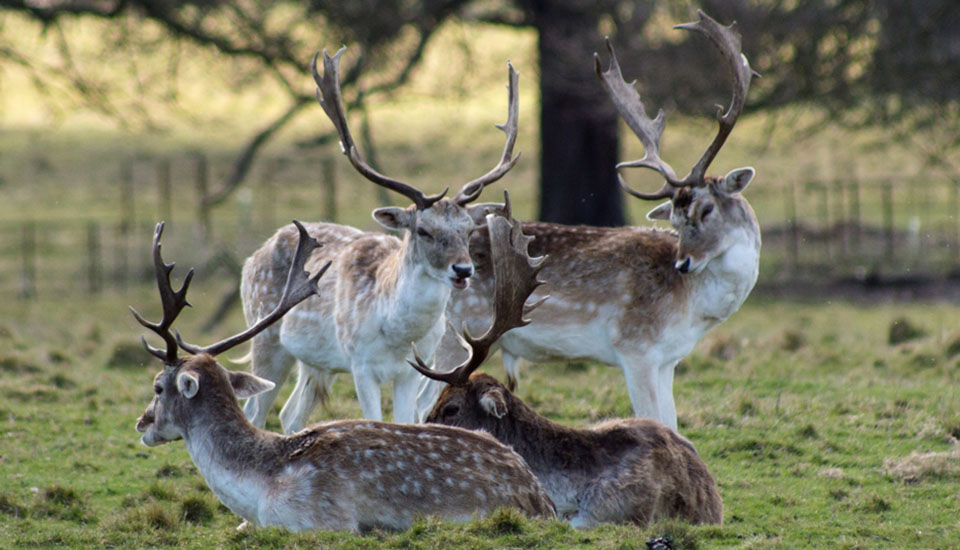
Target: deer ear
{"points": [[188, 384], [494, 402], [661, 212], [247, 385], [737, 180], [478, 212], [395, 218]]}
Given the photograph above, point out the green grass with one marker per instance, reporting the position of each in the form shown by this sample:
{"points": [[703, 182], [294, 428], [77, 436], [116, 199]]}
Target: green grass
{"points": [[819, 433]]}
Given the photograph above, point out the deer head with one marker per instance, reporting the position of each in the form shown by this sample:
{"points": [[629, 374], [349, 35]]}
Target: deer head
{"points": [[436, 227], [515, 276], [179, 387], [701, 208]]}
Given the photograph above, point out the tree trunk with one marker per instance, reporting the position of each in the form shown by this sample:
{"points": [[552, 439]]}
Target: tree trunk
{"points": [[578, 124]]}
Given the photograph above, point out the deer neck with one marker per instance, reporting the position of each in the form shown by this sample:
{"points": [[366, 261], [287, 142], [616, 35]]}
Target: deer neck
{"points": [[545, 445], [233, 456], [726, 281], [419, 297]]}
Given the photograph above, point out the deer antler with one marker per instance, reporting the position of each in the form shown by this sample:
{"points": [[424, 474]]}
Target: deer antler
{"points": [[300, 286], [515, 274], [173, 303], [469, 192], [330, 98], [627, 101]]}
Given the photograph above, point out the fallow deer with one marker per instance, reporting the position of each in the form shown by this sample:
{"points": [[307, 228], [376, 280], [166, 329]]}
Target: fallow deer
{"points": [[382, 292], [636, 297], [342, 475], [621, 470]]}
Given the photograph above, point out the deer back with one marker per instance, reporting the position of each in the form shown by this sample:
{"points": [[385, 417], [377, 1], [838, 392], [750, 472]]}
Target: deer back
{"points": [[621, 470]]}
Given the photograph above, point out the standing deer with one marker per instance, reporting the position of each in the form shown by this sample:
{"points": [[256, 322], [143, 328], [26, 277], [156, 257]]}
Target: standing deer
{"points": [[622, 470], [637, 297], [382, 292], [344, 475]]}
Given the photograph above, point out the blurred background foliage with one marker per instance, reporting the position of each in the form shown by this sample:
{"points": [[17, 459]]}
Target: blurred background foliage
{"points": [[881, 63]]}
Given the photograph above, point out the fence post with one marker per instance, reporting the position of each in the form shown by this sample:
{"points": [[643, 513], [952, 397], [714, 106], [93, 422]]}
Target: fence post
{"points": [[825, 229], [203, 209], [329, 171], [94, 266], [854, 202], [839, 212], [887, 204], [127, 203], [955, 215], [793, 245], [28, 274], [164, 192]]}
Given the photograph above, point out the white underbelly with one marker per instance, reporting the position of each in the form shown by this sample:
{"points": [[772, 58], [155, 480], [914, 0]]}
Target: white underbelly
{"points": [[562, 340], [310, 336]]}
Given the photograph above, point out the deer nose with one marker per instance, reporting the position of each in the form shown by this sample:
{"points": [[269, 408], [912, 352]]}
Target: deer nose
{"points": [[463, 271]]}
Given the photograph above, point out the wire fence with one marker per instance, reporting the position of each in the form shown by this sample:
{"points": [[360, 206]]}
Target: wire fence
{"points": [[858, 228]]}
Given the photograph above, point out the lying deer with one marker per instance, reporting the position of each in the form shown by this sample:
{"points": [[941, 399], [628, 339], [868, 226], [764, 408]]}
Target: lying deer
{"points": [[343, 475], [382, 292], [636, 297], [622, 470]]}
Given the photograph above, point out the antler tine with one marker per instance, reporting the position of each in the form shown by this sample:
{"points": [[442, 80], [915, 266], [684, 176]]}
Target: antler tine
{"points": [[469, 192], [627, 101], [727, 40], [300, 286], [515, 273], [172, 301], [330, 98]]}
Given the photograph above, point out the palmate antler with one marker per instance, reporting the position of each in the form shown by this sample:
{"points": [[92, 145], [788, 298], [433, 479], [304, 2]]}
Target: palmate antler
{"points": [[627, 101], [515, 275], [331, 99]]}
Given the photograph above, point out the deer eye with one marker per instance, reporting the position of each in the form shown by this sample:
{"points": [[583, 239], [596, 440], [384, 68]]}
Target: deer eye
{"points": [[707, 210], [451, 410], [424, 233], [157, 389]]}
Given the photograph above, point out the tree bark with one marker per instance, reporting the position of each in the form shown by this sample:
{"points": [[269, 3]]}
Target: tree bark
{"points": [[578, 124]]}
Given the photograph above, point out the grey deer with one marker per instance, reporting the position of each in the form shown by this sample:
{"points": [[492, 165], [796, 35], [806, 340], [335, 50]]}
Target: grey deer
{"points": [[638, 298], [382, 292], [349, 475]]}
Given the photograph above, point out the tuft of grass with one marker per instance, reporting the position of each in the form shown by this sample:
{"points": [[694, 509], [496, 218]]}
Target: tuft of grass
{"points": [[128, 355], [503, 521], [875, 504], [196, 510], [902, 330], [925, 466], [169, 470], [792, 340], [16, 365], [10, 508]]}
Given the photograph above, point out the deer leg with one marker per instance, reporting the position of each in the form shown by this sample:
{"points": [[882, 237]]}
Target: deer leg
{"points": [[643, 385], [511, 364], [668, 411], [270, 361], [405, 398], [312, 388], [368, 393]]}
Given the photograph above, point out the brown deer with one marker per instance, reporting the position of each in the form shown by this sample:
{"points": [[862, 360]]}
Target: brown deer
{"points": [[636, 297], [343, 475], [382, 292], [622, 470]]}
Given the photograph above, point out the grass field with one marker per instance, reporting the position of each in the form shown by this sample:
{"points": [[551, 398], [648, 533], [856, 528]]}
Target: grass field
{"points": [[821, 434]]}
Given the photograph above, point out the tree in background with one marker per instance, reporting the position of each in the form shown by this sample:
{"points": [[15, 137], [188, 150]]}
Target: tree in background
{"points": [[887, 63]]}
